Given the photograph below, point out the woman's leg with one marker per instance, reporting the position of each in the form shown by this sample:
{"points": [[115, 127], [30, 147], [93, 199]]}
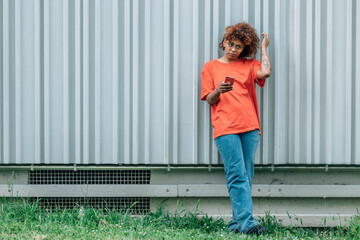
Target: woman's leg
{"points": [[231, 151], [249, 141]]}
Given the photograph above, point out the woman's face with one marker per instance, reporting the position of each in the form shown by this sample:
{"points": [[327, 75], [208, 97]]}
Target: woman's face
{"points": [[233, 48]]}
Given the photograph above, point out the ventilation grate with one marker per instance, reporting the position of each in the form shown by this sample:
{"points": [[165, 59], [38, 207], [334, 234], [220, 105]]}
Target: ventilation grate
{"points": [[139, 205], [45, 177]]}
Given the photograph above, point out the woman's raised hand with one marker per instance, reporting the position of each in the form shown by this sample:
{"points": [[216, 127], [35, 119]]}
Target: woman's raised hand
{"points": [[265, 42]]}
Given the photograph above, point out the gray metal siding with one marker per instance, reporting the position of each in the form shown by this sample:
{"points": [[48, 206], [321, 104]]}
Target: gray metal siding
{"points": [[118, 82]]}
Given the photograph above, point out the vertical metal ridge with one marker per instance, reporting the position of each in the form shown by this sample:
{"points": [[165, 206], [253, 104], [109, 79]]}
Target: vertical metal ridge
{"points": [[195, 79], [66, 140], [78, 82], [97, 82], [258, 20], [147, 80], [166, 80], [135, 81], [258, 153], [329, 85], [246, 10], [86, 69], [348, 80], [297, 82], [316, 87], [291, 83], [127, 110], [309, 70], [47, 81], [6, 80], [227, 12], [2, 65], [115, 90], [265, 103], [18, 88], [357, 88], [277, 82], [215, 155], [207, 137], [37, 76], [216, 35], [176, 82]]}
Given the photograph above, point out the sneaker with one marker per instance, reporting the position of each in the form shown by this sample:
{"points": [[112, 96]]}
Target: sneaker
{"points": [[257, 230]]}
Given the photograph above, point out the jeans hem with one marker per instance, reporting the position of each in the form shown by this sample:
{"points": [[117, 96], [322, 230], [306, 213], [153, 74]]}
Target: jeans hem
{"points": [[236, 230]]}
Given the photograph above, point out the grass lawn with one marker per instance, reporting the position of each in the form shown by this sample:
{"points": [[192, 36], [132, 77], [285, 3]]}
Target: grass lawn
{"points": [[24, 220]]}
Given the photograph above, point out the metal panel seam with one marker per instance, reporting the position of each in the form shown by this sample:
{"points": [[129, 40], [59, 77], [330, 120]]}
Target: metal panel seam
{"points": [[18, 81]]}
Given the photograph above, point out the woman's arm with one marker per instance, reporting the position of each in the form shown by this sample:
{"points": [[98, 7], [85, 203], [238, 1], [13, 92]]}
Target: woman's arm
{"points": [[265, 70], [213, 97]]}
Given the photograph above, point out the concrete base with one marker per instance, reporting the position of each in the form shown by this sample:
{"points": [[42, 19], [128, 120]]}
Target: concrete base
{"points": [[314, 212], [295, 196]]}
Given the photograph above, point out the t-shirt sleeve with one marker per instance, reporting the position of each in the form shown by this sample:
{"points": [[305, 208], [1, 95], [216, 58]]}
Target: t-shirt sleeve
{"points": [[256, 68], [207, 84]]}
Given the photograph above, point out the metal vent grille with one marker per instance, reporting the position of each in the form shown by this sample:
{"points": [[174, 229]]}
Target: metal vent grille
{"points": [[89, 177], [139, 205]]}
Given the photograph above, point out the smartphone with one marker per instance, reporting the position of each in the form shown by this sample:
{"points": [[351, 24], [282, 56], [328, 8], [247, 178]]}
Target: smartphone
{"points": [[229, 80]]}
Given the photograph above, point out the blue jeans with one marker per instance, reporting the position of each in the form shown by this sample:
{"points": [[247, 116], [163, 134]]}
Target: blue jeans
{"points": [[237, 152]]}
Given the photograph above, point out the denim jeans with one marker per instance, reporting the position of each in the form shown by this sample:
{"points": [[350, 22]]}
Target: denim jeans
{"points": [[237, 152]]}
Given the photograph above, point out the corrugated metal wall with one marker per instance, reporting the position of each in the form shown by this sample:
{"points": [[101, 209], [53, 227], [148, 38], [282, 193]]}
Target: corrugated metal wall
{"points": [[118, 82]]}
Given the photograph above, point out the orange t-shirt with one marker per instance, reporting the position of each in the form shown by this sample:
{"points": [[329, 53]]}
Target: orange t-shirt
{"points": [[237, 110]]}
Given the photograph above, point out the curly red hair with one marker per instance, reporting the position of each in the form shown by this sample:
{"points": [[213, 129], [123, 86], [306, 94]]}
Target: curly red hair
{"points": [[246, 34]]}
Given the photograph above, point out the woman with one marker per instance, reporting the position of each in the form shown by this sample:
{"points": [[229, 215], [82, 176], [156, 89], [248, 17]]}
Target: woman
{"points": [[235, 115]]}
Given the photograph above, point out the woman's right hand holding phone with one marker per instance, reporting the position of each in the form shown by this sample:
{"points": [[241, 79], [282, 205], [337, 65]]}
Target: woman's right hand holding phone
{"points": [[224, 87], [214, 97]]}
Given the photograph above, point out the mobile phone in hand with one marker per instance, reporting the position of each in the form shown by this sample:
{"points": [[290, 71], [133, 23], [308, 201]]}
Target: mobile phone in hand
{"points": [[229, 80]]}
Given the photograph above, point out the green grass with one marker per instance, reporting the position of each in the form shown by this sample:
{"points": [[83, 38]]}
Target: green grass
{"points": [[25, 220]]}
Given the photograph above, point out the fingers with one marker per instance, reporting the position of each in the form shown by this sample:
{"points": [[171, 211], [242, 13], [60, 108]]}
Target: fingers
{"points": [[225, 87], [265, 41], [265, 37]]}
